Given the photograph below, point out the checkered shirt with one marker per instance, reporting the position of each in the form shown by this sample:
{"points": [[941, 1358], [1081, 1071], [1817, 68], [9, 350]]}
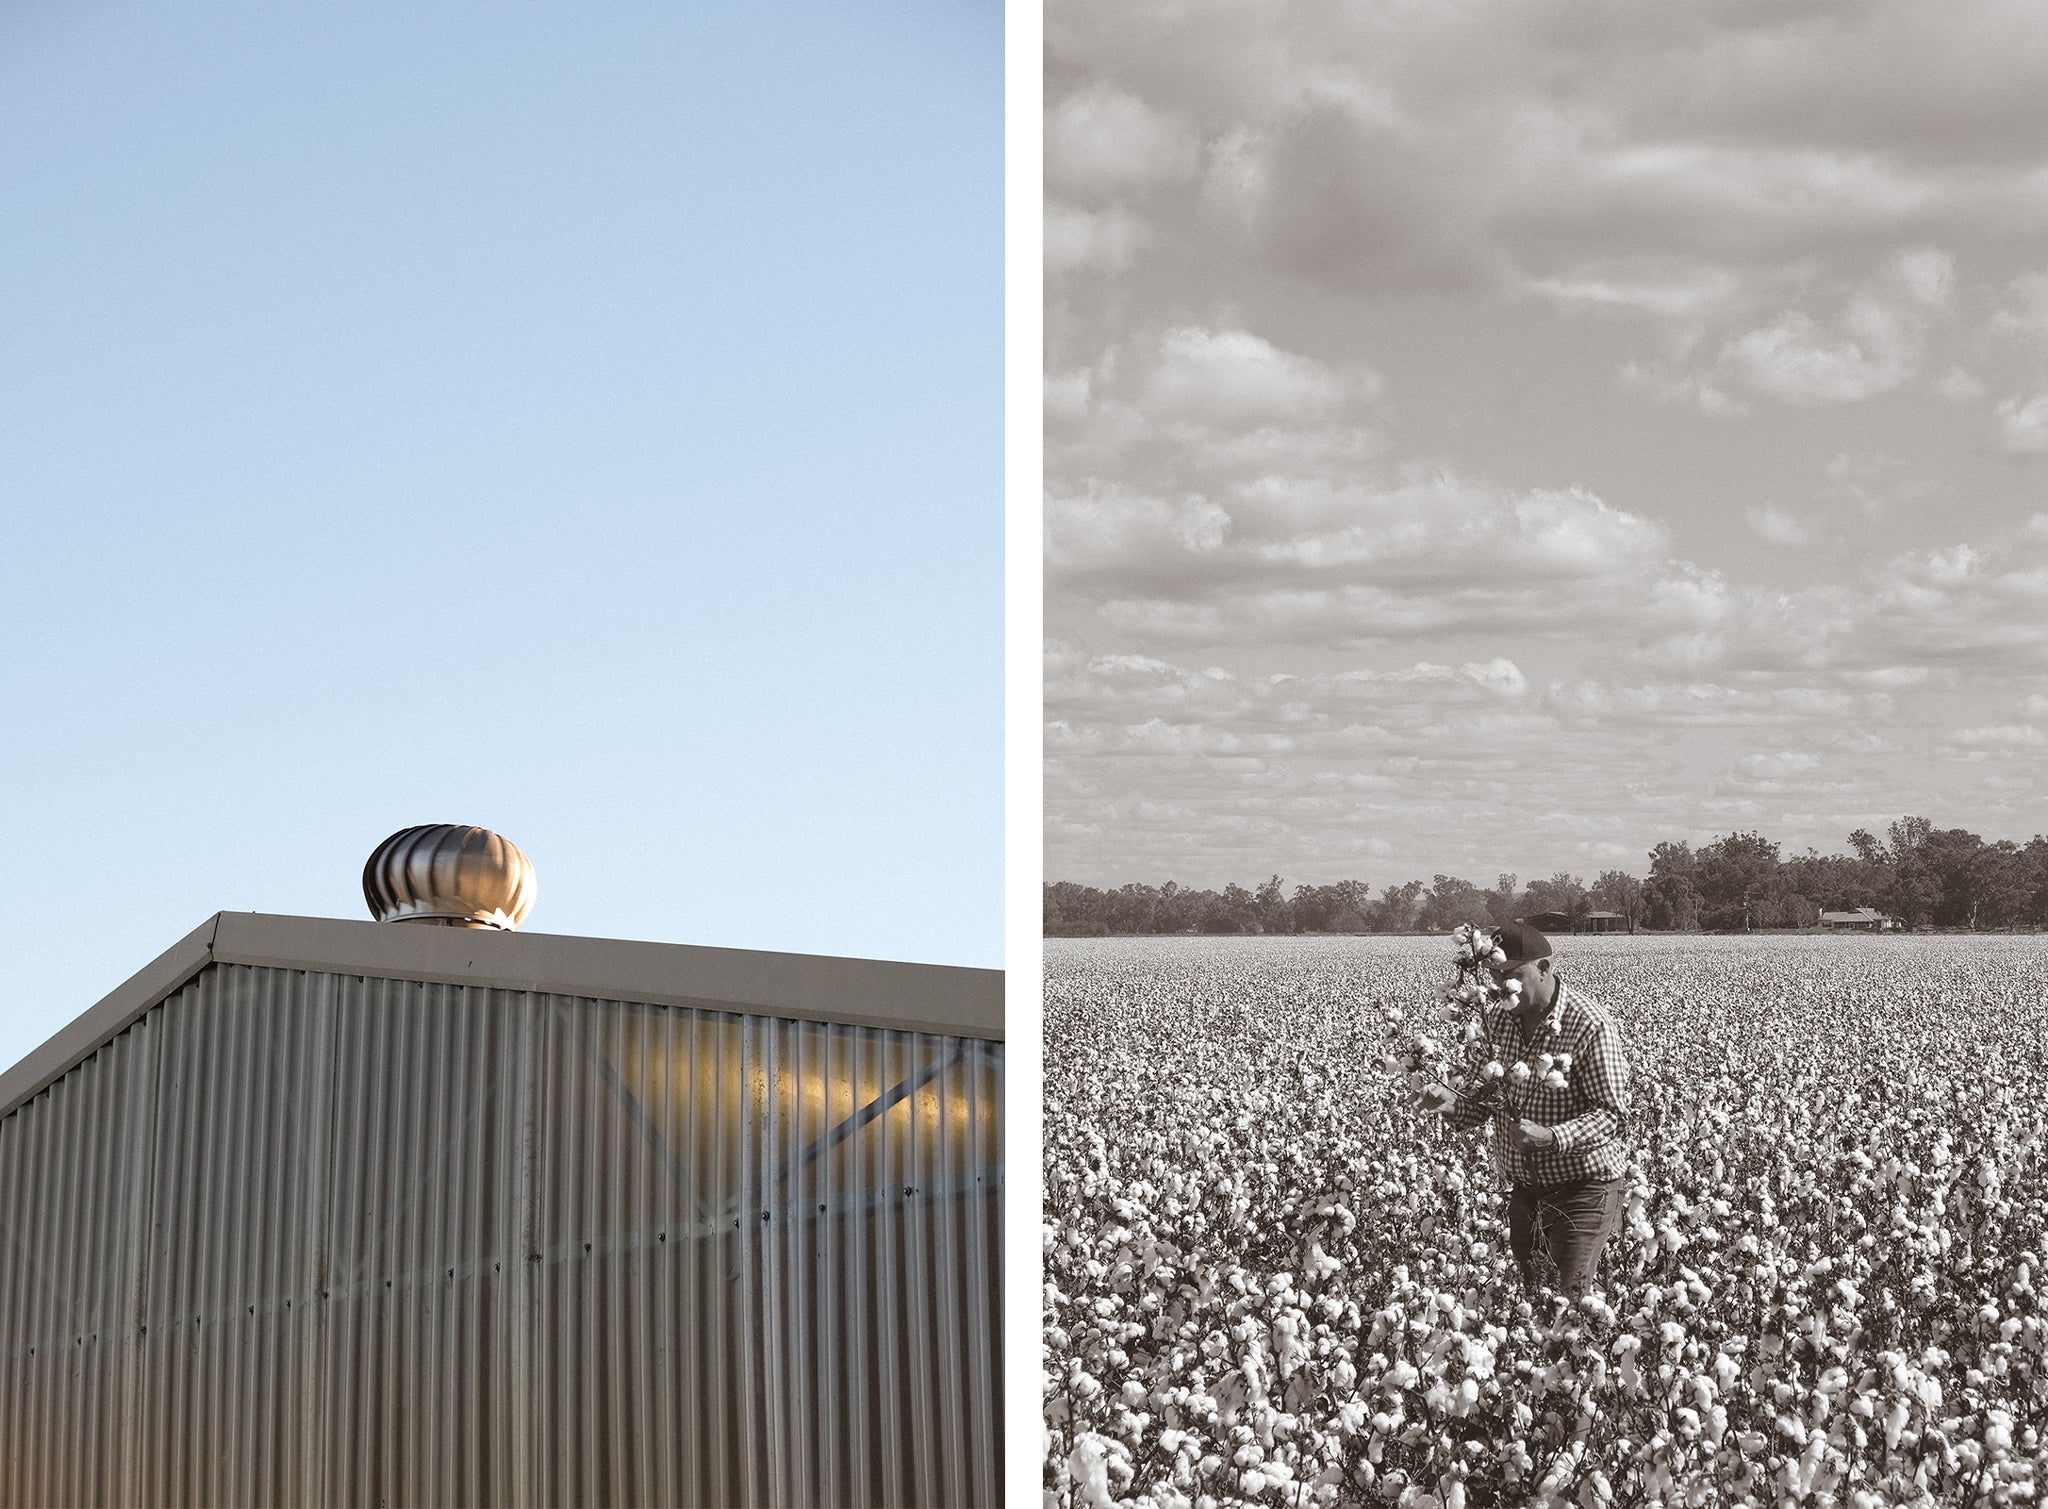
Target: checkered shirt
{"points": [[1589, 1116]]}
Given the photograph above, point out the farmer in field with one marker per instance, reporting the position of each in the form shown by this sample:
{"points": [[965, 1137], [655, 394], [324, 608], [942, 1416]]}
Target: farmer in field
{"points": [[1558, 1129]]}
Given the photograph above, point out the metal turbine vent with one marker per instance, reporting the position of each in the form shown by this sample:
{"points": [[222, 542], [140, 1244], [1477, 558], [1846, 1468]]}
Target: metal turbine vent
{"points": [[449, 875]]}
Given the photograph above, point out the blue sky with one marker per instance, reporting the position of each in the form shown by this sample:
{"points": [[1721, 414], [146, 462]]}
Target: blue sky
{"points": [[581, 421]]}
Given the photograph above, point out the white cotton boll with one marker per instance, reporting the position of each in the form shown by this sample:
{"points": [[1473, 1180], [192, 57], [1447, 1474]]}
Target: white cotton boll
{"points": [[1894, 1422], [1088, 1463], [1998, 1430]]}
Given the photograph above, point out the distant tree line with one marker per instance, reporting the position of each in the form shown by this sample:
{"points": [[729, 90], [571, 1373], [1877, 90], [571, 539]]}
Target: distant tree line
{"points": [[1923, 875]]}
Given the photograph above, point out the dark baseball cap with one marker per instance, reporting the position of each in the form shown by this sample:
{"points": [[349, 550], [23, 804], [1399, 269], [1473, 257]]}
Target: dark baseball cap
{"points": [[1520, 942]]}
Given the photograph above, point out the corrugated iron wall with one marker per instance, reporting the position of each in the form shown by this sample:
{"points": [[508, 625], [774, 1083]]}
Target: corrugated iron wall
{"points": [[309, 1238]]}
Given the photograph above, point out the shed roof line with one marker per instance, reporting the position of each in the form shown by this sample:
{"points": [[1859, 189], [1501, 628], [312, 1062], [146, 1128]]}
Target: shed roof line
{"points": [[938, 998]]}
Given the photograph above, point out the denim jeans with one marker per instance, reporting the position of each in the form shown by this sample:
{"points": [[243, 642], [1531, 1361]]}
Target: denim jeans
{"points": [[1558, 1231]]}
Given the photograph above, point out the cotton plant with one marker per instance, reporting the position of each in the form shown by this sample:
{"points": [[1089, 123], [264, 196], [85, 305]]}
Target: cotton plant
{"points": [[1266, 1283], [1468, 1068]]}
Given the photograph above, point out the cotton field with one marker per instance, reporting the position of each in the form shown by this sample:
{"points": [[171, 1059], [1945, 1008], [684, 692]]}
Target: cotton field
{"points": [[1269, 1279]]}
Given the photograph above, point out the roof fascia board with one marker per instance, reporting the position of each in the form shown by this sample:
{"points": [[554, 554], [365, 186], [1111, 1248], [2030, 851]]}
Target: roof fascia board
{"points": [[938, 998], [100, 1023]]}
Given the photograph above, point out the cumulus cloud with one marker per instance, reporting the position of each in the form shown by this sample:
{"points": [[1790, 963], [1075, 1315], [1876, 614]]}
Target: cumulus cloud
{"points": [[1997, 742], [1315, 563], [1877, 343], [1099, 140], [1106, 239], [2023, 424], [1316, 759], [1202, 405], [1494, 140], [1795, 360], [2024, 316], [1873, 481], [2001, 736], [1775, 525], [1788, 762], [1108, 530], [1336, 302], [1232, 378], [1958, 385]]}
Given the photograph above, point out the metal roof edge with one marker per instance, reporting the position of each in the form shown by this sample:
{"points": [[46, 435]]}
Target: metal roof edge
{"points": [[944, 998], [96, 1026], [941, 998]]}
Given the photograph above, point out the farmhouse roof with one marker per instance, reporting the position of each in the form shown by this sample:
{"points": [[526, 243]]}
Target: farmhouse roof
{"points": [[1860, 914], [937, 998]]}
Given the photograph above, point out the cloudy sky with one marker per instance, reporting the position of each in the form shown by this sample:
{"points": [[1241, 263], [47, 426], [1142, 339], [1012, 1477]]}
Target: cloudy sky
{"points": [[582, 421], [1501, 436]]}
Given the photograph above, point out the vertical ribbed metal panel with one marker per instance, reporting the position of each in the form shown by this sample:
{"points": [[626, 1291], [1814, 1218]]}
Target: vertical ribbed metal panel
{"points": [[74, 1185], [308, 1238]]}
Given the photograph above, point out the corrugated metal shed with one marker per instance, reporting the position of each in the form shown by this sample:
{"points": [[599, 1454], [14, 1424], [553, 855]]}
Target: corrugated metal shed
{"points": [[338, 1213]]}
